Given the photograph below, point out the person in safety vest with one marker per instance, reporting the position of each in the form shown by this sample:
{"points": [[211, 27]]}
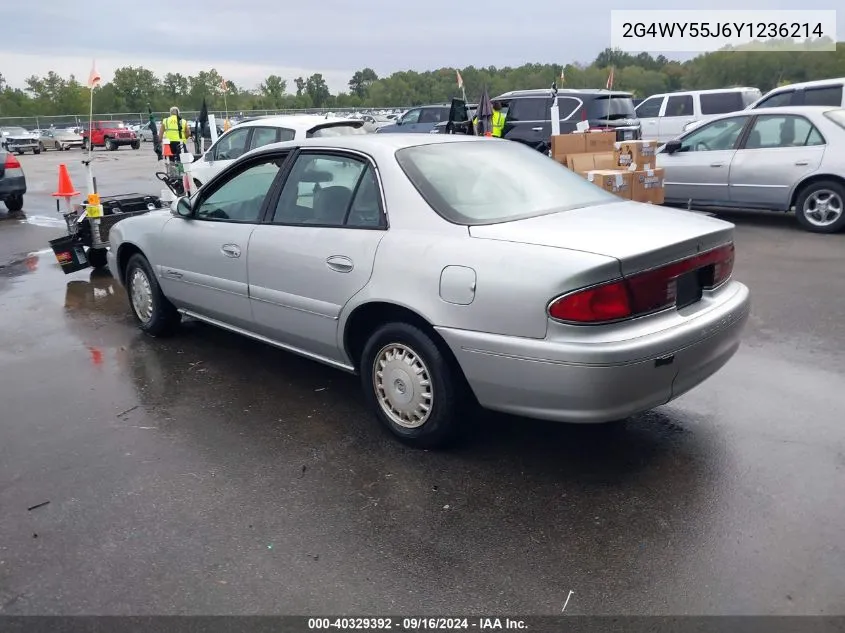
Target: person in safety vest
{"points": [[497, 121], [174, 130]]}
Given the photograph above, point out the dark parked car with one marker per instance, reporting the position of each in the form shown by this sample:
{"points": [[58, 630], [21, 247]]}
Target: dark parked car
{"points": [[421, 119], [12, 181], [528, 120]]}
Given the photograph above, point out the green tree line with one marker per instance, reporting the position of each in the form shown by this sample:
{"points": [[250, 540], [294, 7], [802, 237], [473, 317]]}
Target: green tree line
{"points": [[133, 88]]}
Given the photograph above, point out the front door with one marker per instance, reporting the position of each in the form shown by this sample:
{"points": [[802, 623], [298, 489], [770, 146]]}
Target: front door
{"points": [[678, 110], [316, 251], [780, 150], [204, 258], [223, 153], [699, 171]]}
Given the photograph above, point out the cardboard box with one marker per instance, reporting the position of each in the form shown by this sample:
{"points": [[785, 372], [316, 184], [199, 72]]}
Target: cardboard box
{"points": [[600, 141], [605, 160], [582, 163], [616, 181], [647, 186], [635, 155], [564, 145]]}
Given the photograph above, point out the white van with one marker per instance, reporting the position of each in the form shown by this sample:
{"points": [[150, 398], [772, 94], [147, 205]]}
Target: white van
{"points": [[823, 92], [664, 116]]}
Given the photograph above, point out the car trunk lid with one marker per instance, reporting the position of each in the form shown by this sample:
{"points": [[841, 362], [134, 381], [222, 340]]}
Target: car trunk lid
{"points": [[639, 236]]}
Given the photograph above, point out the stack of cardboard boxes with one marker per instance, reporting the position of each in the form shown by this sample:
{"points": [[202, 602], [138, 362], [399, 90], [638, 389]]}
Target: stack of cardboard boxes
{"points": [[625, 168]]}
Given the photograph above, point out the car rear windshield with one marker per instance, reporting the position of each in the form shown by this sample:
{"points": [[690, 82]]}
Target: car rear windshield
{"points": [[485, 182], [611, 107], [336, 129], [837, 116]]}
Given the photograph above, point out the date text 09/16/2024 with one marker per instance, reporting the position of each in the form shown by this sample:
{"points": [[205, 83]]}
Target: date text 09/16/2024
{"points": [[416, 624]]}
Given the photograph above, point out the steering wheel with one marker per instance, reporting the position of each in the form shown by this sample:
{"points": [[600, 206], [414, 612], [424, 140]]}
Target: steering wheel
{"points": [[701, 144]]}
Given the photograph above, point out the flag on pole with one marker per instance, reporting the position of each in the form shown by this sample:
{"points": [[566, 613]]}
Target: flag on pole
{"points": [[460, 79], [610, 79], [94, 77], [562, 76], [224, 86]]}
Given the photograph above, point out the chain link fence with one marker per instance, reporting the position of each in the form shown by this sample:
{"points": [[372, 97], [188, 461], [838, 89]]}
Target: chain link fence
{"points": [[130, 118]]}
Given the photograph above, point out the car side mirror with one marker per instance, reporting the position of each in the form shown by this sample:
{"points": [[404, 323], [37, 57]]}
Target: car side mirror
{"points": [[182, 208], [673, 146]]}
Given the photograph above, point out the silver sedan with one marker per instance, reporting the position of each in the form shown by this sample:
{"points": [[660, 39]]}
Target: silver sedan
{"points": [[774, 159], [446, 272]]}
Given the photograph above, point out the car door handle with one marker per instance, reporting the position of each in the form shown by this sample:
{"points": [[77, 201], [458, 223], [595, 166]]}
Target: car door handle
{"points": [[802, 163], [172, 273], [340, 263], [537, 129], [717, 164], [231, 250]]}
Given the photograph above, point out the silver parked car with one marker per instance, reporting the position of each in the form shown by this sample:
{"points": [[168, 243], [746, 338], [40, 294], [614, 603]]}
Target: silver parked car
{"points": [[772, 159], [59, 140], [445, 271]]}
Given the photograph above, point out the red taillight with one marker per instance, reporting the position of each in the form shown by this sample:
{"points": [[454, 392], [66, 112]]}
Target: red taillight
{"points": [[12, 162], [643, 293]]}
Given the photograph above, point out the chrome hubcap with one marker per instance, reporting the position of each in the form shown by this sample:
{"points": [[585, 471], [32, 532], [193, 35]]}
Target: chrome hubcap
{"points": [[823, 207], [403, 385], [141, 294]]}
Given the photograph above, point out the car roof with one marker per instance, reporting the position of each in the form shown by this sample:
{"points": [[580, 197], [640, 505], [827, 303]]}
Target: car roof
{"points": [[302, 122], [543, 92], [779, 110], [808, 84], [703, 92]]}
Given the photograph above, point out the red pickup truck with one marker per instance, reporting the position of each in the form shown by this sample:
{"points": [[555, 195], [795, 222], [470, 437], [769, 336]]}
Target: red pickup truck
{"points": [[111, 135]]}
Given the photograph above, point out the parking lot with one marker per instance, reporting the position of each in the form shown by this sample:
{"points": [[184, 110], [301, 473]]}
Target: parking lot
{"points": [[209, 474]]}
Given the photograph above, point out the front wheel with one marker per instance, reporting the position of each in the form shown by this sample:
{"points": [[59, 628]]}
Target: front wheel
{"points": [[416, 391], [85, 143], [111, 145], [153, 312], [58, 147], [820, 207], [136, 144], [36, 150]]}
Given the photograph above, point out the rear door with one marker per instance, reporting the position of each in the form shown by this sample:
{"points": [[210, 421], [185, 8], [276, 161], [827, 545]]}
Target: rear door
{"points": [[528, 121], [316, 250], [778, 151], [648, 112], [699, 172], [431, 116], [678, 111]]}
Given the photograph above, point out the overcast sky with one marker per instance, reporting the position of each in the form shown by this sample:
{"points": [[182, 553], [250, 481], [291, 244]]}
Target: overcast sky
{"points": [[248, 40]]}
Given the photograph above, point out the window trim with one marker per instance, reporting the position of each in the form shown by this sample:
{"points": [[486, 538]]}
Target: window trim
{"points": [[214, 185], [786, 91], [270, 208], [747, 132], [213, 148], [834, 86], [578, 105]]}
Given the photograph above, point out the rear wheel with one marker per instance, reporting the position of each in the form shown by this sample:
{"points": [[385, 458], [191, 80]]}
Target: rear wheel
{"points": [[85, 143], [36, 150], [136, 144], [14, 203], [820, 207], [153, 312], [416, 391], [41, 146]]}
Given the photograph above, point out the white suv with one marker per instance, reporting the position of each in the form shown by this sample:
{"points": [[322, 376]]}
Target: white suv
{"points": [[263, 131]]}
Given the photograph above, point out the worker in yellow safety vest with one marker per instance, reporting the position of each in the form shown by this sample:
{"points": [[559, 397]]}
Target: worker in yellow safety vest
{"points": [[497, 121], [174, 130]]}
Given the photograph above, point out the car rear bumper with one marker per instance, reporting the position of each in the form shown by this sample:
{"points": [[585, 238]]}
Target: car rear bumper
{"points": [[588, 382], [10, 186]]}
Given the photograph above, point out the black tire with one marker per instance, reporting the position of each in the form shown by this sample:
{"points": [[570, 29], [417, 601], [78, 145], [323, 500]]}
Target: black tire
{"points": [[448, 397], [59, 147], [19, 152], [37, 150], [41, 146], [85, 144], [97, 257], [110, 145], [14, 203], [164, 318], [830, 189], [136, 144]]}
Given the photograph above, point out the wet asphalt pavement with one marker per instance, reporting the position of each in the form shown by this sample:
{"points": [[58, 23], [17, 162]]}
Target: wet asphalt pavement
{"points": [[207, 474]]}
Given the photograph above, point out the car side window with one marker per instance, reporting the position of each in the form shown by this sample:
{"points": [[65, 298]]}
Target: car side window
{"points": [[782, 130], [329, 190], [232, 145], [714, 136], [263, 136], [286, 134], [566, 106], [823, 96], [721, 102], [432, 115], [650, 108], [679, 105], [411, 116], [240, 198], [529, 109], [777, 100]]}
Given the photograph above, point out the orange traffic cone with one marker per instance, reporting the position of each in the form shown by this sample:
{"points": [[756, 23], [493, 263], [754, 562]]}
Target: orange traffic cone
{"points": [[66, 189], [488, 134], [167, 151]]}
